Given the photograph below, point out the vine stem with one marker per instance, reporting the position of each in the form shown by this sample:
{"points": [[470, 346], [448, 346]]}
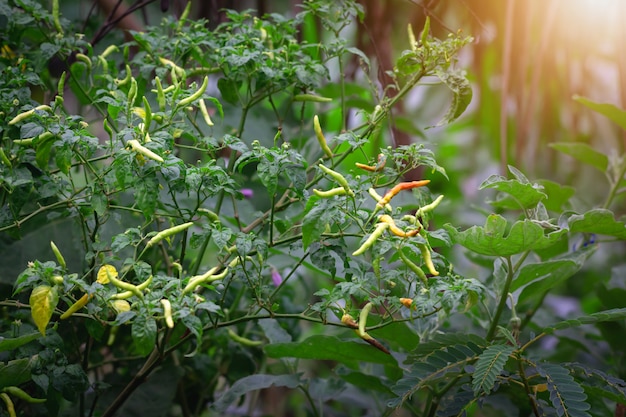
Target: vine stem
{"points": [[503, 297]]}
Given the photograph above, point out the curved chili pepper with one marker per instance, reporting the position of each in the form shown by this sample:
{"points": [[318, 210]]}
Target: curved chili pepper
{"points": [[399, 187]]}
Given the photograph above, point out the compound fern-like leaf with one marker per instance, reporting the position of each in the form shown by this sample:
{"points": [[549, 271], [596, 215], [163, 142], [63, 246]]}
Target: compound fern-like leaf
{"points": [[567, 396], [601, 316], [489, 365]]}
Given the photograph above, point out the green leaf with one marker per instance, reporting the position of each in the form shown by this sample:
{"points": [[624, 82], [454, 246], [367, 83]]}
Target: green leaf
{"points": [[229, 89], [42, 154], [144, 331], [330, 348], [555, 270], [584, 153], [462, 95], [599, 317], [15, 342], [43, 300], [253, 383], [612, 112], [488, 366], [599, 384], [566, 395], [316, 217], [364, 381], [521, 195], [146, 195], [558, 195], [16, 372], [493, 240], [599, 221]]}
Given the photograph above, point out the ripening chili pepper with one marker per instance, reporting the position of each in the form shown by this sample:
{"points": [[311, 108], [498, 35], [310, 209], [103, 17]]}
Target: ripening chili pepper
{"points": [[187, 101], [428, 260], [320, 137], [349, 321], [378, 232], [167, 312], [25, 115], [330, 193], [385, 218], [167, 233], [140, 149], [9, 404], [205, 113], [399, 187], [416, 269], [377, 197], [363, 334], [82, 302], [312, 98], [382, 159], [22, 395], [408, 303], [341, 180]]}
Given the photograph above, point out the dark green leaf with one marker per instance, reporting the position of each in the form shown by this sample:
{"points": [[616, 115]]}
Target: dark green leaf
{"points": [[316, 217], [15, 342], [229, 89], [557, 269], [601, 316], [488, 366], [253, 383], [566, 395], [144, 331], [331, 348], [583, 153]]}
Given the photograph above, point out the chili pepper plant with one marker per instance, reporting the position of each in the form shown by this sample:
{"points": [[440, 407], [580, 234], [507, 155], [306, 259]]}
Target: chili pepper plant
{"points": [[211, 233]]}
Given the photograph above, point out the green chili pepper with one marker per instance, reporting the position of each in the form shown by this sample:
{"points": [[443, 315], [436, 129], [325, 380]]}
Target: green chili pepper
{"points": [[312, 97], [167, 312], [160, 94], [378, 232], [140, 149], [167, 233], [58, 255], [187, 101], [320, 137], [330, 193], [148, 119], [22, 395], [243, 340], [341, 180], [9, 404], [416, 269], [25, 115]]}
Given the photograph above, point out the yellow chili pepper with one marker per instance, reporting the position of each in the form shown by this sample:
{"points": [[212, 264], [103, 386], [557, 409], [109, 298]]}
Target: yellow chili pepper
{"points": [[140, 149], [330, 193], [167, 312], [82, 302], [385, 218]]}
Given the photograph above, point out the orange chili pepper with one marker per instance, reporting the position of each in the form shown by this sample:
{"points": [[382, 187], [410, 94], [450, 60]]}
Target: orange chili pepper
{"points": [[407, 302], [399, 187], [382, 159]]}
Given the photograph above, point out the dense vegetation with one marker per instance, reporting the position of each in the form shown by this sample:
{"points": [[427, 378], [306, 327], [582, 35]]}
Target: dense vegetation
{"points": [[216, 219]]}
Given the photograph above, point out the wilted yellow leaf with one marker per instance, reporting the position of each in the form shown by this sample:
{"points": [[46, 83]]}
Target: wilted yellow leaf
{"points": [[104, 272], [43, 301]]}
